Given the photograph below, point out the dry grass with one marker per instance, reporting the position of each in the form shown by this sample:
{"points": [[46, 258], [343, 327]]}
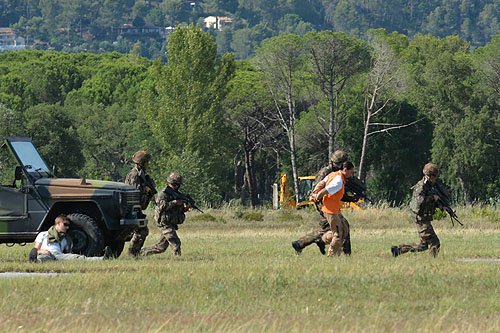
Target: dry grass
{"points": [[239, 276]]}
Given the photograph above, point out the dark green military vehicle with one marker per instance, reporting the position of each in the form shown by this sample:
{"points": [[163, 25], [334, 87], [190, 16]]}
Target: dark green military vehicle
{"points": [[102, 212]]}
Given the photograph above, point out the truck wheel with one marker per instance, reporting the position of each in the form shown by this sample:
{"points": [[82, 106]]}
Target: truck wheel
{"points": [[86, 235], [117, 248]]}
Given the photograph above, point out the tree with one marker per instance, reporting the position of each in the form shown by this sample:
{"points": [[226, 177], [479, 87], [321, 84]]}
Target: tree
{"points": [[53, 133], [175, 11], [183, 105], [385, 81], [107, 133], [488, 62], [247, 107], [334, 60], [444, 84], [280, 59]]}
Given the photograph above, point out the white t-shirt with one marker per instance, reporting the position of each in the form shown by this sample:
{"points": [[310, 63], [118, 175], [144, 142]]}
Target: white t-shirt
{"points": [[335, 185], [52, 247]]}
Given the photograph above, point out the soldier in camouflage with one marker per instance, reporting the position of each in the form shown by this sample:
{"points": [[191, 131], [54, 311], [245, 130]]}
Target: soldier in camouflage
{"points": [[323, 235], [423, 205], [169, 213], [138, 178]]}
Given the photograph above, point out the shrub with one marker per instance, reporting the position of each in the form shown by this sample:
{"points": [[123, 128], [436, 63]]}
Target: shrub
{"points": [[288, 216], [253, 216], [203, 218]]}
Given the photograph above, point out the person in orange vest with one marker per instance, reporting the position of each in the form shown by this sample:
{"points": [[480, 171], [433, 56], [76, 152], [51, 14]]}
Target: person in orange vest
{"points": [[330, 191]]}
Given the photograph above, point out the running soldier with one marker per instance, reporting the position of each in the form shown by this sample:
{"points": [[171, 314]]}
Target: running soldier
{"points": [[330, 191], [323, 234], [138, 178]]}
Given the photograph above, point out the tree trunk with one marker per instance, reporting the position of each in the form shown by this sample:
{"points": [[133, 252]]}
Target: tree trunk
{"points": [[331, 126], [363, 148], [236, 165], [250, 176], [464, 190], [293, 153]]}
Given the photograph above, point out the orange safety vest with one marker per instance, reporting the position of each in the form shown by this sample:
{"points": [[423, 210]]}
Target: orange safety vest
{"points": [[331, 202]]}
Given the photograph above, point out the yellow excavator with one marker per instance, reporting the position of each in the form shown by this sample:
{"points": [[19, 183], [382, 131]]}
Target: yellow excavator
{"points": [[306, 183]]}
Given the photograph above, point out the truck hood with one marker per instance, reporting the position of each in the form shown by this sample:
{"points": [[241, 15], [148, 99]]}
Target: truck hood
{"points": [[84, 184]]}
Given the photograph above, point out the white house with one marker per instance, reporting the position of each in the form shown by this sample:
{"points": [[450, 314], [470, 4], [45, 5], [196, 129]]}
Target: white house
{"points": [[9, 41]]}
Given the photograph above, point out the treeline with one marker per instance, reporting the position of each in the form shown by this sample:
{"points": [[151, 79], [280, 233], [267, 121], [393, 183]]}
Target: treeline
{"points": [[231, 127], [87, 25]]}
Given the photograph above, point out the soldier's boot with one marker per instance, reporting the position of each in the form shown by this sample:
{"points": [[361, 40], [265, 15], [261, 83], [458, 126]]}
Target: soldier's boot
{"points": [[395, 251], [321, 245], [108, 253], [346, 248], [296, 246], [33, 254], [133, 252], [433, 251]]}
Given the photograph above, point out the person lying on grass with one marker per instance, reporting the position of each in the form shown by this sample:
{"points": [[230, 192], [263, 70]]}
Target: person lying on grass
{"points": [[56, 244]]}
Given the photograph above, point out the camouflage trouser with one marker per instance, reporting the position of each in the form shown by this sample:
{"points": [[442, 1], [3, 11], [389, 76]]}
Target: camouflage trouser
{"points": [[326, 235], [138, 239], [64, 256], [428, 239], [168, 236], [340, 230]]}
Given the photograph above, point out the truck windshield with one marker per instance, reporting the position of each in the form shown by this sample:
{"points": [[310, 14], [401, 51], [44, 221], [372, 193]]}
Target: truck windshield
{"points": [[30, 158]]}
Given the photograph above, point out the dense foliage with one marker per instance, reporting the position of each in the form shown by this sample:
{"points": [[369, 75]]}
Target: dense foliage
{"points": [[91, 25], [231, 127]]}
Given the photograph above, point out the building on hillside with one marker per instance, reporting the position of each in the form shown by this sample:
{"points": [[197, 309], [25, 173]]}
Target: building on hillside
{"points": [[130, 29], [168, 31], [9, 41], [217, 22]]}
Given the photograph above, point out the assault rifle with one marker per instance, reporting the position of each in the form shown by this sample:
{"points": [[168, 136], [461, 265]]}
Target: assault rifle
{"points": [[357, 188], [151, 184], [444, 201], [354, 187], [185, 197]]}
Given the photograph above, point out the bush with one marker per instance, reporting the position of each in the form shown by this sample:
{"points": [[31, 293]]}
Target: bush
{"points": [[289, 216], [253, 216], [203, 218]]}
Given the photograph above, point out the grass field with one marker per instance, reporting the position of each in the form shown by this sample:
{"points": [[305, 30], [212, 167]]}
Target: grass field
{"points": [[239, 275]]}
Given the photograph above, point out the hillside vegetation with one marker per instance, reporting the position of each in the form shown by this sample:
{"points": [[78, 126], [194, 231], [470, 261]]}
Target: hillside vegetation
{"points": [[91, 25]]}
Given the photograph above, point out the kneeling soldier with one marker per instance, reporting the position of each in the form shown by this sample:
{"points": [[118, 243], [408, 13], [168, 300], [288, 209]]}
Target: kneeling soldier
{"points": [[423, 205]]}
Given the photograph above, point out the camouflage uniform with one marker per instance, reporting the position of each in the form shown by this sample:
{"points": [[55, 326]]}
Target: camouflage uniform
{"points": [[324, 233], [423, 206], [138, 178], [168, 215]]}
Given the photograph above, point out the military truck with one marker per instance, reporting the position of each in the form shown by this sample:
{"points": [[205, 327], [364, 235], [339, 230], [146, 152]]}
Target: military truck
{"points": [[102, 212]]}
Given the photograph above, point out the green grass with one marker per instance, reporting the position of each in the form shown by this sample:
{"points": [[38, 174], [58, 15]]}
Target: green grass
{"points": [[242, 276]]}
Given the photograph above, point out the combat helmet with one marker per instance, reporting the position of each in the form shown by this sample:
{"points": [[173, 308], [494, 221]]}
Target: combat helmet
{"points": [[338, 157], [431, 169], [141, 157], [174, 178]]}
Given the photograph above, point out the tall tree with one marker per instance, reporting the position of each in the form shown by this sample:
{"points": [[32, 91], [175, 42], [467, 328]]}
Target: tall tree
{"points": [[444, 79], [385, 81], [335, 59], [281, 59], [247, 107], [184, 105]]}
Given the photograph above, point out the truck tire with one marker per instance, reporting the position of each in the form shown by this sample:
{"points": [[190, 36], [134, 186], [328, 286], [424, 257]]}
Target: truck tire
{"points": [[86, 235]]}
